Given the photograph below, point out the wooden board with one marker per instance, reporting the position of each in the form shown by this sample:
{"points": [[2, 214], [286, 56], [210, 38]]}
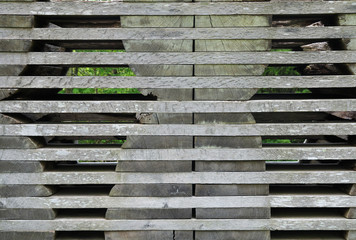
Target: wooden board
{"points": [[273, 177], [115, 154], [208, 129], [176, 9], [185, 32], [166, 58], [199, 225], [338, 81], [274, 201], [80, 106]]}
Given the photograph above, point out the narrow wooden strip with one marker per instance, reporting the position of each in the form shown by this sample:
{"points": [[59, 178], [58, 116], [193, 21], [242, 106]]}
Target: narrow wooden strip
{"points": [[125, 58], [178, 33], [114, 129], [189, 224], [117, 154], [176, 9], [310, 105], [274, 177], [284, 201], [339, 81]]}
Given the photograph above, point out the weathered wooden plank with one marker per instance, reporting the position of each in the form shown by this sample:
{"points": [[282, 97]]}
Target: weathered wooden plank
{"points": [[184, 33], [273, 177], [246, 235], [280, 201], [148, 235], [176, 9], [151, 190], [25, 191], [48, 235], [114, 154], [9, 21], [337, 81], [199, 225], [301, 105], [168, 58], [270, 129]]}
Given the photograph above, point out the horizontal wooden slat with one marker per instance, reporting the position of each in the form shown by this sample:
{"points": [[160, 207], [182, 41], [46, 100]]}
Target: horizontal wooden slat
{"points": [[178, 9], [114, 129], [124, 58], [283, 201], [178, 82], [116, 154], [314, 223], [274, 177], [300, 105], [87, 34]]}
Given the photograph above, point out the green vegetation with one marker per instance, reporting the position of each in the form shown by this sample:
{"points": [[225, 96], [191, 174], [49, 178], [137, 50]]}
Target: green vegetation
{"points": [[100, 71]]}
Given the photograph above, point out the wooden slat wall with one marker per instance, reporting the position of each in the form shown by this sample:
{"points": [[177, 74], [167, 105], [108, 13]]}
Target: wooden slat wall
{"points": [[197, 162]]}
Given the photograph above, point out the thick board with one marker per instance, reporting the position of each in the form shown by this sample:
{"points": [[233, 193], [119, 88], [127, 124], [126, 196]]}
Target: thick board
{"points": [[273, 177], [115, 154], [243, 129], [338, 81], [301, 105], [306, 223], [168, 58], [280, 201], [176, 9], [184, 33]]}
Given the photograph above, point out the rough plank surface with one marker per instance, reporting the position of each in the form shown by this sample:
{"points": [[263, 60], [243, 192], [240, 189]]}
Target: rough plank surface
{"points": [[176, 9], [301, 105], [270, 129], [199, 225], [114, 154], [339, 81], [171, 202], [149, 235], [274, 177], [181, 33], [122, 58]]}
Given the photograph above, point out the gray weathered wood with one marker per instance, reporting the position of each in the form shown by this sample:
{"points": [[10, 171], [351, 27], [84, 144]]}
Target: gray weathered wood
{"points": [[114, 58], [339, 81], [269, 129], [25, 191], [27, 214], [246, 235], [184, 33], [350, 235], [112, 154], [314, 223], [48, 235], [310, 105], [275, 201], [149, 235], [113, 213], [176, 9], [274, 177], [10, 21], [151, 190]]}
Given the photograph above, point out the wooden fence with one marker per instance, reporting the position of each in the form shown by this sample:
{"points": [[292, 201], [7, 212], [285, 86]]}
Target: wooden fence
{"points": [[244, 127]]}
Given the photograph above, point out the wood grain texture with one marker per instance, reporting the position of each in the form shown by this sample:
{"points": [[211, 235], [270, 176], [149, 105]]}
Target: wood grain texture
{"points": [[148, 235], [171, 202], [138, 34], [204, 58], [242, 129], [328, 81], [199, 225], [260, 106], [274, 177], [176, 9], [114, 154]]}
